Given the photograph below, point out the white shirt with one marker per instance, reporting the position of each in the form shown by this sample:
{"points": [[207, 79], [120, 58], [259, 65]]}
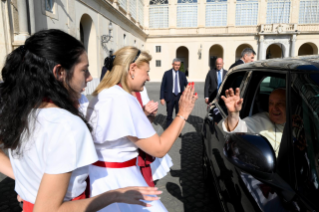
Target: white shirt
{"points": [[115, 114], [261, 124], [144, 96], [176, 74], [60, 142], [221, 75]]}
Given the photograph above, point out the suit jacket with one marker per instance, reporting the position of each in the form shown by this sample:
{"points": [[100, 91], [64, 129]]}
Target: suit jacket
{"points": [[103, 72], [238, 62], [210, 89], [167, 84]]}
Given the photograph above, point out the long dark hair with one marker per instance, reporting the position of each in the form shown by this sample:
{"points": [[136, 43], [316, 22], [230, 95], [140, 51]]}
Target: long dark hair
{"points": [[28, 80]]}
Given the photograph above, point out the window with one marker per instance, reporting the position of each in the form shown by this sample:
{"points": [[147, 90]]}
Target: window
{"points": [[158, 49], [246, 12], [123, 4], [141, 12], [278, 11], [158, 14], [216, 13], [124, 39], [309, 12], [305, 135], [187, 13], [158, 63], [49, 5], [133, 9]]}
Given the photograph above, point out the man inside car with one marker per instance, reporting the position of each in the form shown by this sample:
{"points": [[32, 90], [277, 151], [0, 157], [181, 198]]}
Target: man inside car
{"points": [[269, 124]]}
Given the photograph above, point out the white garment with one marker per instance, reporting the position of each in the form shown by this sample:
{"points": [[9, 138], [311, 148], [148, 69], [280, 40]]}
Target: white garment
{"points": [[176, 74], [261, 124], [84, 103], [60, 142], [115, 114], [144, 96], [160, 166]]}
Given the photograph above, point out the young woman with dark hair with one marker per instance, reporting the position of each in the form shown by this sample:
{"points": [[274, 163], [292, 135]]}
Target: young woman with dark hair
{"points": [[49, 141]]}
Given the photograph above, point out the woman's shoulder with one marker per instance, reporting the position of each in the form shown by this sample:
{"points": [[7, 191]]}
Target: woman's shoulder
{"points": [[115, 93]]}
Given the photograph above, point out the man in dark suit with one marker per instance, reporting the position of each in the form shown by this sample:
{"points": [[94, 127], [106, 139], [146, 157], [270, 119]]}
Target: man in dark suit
{"points": [[172, 87], [247, 56], [213, 80]]}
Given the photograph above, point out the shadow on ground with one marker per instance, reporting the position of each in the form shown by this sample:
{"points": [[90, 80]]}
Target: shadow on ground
{"points": [[196, 193]]}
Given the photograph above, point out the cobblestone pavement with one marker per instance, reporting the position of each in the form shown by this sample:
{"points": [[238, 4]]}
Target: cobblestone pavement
{"points": [[184, 189]]}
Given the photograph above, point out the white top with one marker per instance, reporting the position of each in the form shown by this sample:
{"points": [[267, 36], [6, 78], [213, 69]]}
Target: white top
{"points": [[176, 73], [60, 142], [144, 96], [115, 114], [261, 124], [84, 103]]}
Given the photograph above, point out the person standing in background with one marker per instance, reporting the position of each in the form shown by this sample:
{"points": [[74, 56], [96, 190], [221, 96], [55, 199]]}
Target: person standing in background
{"points": [[213, 80], [172, 87], [247, 56]]}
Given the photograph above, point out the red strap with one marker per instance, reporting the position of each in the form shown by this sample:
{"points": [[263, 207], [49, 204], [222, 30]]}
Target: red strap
{"points": [[115, 164], [139, 98], [28, 207]]}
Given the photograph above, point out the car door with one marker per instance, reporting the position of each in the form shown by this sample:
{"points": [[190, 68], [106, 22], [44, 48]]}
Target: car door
{"points": [[305, 138], [224, 173]]}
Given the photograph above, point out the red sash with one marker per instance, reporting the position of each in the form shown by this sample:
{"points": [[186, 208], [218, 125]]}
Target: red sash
{"points": [[116, 164], [28, 207]]}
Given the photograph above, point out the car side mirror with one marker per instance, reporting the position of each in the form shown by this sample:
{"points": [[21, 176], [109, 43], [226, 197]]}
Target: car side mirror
{"points": [[251, 153]]}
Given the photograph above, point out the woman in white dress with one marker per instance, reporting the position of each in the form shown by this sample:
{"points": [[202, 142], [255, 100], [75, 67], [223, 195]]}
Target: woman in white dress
{"points": [[120, 127], [160, 166], [49, 141]]}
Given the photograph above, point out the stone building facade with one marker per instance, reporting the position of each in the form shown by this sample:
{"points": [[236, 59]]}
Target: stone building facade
{"points": [[196, 31]]}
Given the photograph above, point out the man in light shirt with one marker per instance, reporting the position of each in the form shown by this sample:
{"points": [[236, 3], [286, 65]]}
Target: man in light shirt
{"points": [[213, 80], [172, 87]]}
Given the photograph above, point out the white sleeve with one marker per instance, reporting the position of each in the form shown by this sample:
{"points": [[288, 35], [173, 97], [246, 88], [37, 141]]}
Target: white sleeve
{"points": [[69, 147], [241, 126], [144, 96], [118, 117]]}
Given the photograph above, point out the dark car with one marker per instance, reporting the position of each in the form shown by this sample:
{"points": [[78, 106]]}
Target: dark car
{"points": [[246, 172]]}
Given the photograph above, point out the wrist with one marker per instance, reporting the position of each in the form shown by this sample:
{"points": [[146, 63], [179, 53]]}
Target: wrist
{"points": [[184, 115]]}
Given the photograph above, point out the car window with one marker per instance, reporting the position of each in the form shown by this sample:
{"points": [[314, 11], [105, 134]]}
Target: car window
{"points": [[267, 85], [233, 81], [305, 133]]}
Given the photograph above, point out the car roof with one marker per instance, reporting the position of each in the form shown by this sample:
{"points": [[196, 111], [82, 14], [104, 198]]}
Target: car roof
{"points": [[301, 63]]}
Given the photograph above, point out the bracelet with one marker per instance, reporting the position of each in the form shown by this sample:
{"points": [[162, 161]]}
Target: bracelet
{"points": [[182, 117]]}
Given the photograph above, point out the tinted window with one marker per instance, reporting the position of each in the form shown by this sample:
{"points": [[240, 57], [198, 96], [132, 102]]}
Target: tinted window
{"points": [[305, 130]]}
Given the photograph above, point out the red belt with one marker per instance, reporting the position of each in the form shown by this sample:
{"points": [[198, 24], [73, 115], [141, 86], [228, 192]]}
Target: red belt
{"points": [[116, 164], [28, 207]]}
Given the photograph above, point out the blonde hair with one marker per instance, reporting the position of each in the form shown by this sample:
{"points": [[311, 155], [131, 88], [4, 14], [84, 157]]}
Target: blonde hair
{"points": [[123, 59]]}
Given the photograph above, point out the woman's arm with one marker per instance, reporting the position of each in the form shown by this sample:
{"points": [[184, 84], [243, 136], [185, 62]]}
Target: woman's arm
{"points": [[53, 188], [5, 165], [158, 146]]}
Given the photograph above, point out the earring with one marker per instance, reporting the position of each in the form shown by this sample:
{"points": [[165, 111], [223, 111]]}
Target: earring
{"points": [[132, 76]]}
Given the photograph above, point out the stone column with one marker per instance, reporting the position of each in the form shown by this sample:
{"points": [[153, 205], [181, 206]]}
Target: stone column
{"points": [[261, 48], [293, 45], [23, 21]]}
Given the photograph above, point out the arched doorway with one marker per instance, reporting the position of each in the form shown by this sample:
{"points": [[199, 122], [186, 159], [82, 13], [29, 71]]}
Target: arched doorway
{"points": [[88, 38], [274, 51], [240, 49], [214, 52], [182, 54], [307, 49]]}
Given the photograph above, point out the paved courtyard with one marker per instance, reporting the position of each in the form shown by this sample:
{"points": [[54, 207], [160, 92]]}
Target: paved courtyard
{"points": [[184, 189]]}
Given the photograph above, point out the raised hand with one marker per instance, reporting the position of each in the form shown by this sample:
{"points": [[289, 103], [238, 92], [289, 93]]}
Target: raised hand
{"points": [[187, 101], [233, 101], [134, 195]]}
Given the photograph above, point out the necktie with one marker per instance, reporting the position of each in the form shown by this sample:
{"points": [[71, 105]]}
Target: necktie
{"points": [[219, 79], [176, 84]]}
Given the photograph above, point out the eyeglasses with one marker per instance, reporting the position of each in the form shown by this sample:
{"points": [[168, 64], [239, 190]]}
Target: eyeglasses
{"points": [[138, 54]]}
